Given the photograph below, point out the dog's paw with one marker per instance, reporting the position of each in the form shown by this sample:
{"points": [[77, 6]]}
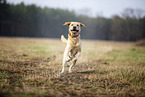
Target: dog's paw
{"points": [[70, 71], [62, 72]]}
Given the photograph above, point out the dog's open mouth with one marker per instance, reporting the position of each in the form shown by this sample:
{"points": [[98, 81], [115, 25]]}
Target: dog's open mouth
{"points": [[74, 31]]}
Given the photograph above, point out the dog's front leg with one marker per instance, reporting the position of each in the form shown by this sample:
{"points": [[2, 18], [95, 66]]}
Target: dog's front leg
{"points": [[63, 64], [65, 58], [73, 62]]}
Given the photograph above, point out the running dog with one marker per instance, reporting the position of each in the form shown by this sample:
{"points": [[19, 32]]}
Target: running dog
{"points": [[73, 47]]}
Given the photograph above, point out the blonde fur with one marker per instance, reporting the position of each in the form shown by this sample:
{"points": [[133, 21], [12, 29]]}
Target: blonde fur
{"points": [[63, 39], [73, 47]]}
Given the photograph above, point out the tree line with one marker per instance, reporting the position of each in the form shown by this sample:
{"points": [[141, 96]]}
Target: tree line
{"points": [[32, 21]]}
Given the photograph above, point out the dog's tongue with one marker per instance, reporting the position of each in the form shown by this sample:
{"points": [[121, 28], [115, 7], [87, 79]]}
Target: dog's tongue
{"points": [[74, 31]]}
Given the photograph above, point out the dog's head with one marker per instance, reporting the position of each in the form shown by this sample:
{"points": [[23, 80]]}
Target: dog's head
{"points": [[74, 27]]}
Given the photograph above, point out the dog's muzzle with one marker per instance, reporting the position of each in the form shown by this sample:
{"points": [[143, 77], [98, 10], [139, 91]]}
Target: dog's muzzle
{"points": [[74, 30]]}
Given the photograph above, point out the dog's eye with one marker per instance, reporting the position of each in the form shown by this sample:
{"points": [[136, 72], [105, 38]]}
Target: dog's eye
{"points": [[77, 25], [71, 24]]}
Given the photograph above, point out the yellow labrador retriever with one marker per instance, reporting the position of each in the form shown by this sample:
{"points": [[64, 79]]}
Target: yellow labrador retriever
{"points": [[73, 47]]}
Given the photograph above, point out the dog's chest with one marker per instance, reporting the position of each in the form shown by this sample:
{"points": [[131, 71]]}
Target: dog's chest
{"points": [[74, 50], [75, 47], [75, 44]]}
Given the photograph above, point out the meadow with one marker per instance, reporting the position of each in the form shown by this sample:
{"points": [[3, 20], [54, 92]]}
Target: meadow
{"points": [[31, 67]]}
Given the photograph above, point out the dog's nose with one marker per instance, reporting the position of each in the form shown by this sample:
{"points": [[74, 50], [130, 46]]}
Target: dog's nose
{"points": [[74, 27]]}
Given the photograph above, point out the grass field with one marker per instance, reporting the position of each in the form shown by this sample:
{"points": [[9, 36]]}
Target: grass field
{"points": [[31, 67]]}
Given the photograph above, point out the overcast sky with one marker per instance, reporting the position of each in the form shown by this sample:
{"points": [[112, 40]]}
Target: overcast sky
{"points": [[105, 8]]}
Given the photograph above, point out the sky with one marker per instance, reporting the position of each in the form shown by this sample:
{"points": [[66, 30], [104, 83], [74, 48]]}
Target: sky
{"points": [[106, 8]]}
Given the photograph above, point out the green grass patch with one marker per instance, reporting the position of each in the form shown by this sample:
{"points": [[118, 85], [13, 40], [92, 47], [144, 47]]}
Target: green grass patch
{"points": [[130, 56]]}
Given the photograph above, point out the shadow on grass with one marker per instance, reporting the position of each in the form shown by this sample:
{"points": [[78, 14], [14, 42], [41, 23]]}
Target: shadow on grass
{"points": [[92, 72], [88, 72]]}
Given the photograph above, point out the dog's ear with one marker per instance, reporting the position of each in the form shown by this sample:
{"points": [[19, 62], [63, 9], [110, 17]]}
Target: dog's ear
{"points": [[67, 23], [83, 25]]}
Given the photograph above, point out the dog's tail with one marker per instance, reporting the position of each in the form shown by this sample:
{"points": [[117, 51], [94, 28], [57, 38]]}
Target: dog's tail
{"points": [[63, 39]]}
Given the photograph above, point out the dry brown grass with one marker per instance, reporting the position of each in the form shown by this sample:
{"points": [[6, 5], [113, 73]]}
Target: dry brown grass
{"points": [[31, 67], [140, 42]]}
